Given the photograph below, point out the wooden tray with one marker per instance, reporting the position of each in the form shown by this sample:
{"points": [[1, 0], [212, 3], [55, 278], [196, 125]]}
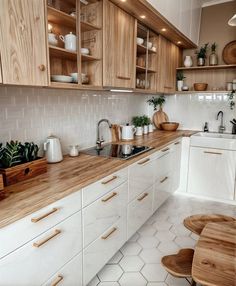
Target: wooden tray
{"points": [[229, 53], [24, 171]]}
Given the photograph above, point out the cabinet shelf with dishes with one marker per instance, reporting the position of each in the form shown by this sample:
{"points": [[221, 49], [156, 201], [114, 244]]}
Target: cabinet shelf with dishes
{"points": [[75, 43], [146, 60], [216, 77]]}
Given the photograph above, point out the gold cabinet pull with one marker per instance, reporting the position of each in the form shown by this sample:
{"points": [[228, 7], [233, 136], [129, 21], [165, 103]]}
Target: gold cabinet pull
{"points": [[164, 150], [36, 219], [144, 161], [163, 180], [110, 197], [57, 280], [143, 197], [43, 241], [177, 143], [109, 234], [123, 77], [42, 67], [109, 180], [214, 153]]}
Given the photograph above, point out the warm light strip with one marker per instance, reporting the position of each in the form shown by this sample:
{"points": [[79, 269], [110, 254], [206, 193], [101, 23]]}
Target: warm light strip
{"points": [[121, 90]]}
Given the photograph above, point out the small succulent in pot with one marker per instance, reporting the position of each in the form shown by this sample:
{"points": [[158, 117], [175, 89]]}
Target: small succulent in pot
{"points": [[201, 55], [29, 152], [157, 101], [137, 121]]}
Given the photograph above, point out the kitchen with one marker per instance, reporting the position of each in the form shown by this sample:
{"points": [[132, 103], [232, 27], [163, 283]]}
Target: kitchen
{"points": [[78, 216]]}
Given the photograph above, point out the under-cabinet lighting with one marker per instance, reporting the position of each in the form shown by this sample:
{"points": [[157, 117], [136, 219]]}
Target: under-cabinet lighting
{"points": [[121, 90], [163, 29], [179, 42], [143, 16], [123, 0]]}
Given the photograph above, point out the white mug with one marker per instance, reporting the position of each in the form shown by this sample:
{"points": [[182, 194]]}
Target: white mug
{"points": [[69, 41]]}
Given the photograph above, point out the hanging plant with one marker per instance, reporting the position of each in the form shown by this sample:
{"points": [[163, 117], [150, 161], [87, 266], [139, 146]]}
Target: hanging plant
{"points": [[232, 99]]}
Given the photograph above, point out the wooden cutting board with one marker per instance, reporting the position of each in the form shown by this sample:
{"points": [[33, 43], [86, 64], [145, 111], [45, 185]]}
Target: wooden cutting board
{"points": [[159, 117], [115, 132]]}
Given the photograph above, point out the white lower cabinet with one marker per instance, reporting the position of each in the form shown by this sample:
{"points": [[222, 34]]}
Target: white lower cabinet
{"points": [[212, 173], [176, 165], [139, 210], [35, 262], [162, 190], [69, 275], [97, 254]]}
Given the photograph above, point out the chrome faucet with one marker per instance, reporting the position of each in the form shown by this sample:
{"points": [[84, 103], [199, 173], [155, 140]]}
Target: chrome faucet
{"points": [[221, 127], [100, 139]]}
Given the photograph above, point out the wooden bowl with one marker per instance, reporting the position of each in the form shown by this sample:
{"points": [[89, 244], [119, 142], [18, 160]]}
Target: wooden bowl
{"points": [[200, 86], [169, 126]]}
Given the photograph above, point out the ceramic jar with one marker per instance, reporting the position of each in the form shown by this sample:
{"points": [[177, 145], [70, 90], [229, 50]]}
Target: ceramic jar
{"points": [[74, 150], [69, 41], [145, 129], [150, 128], [201, 62], [139, 131], [188, 62], [213, 59], [180, 84]]}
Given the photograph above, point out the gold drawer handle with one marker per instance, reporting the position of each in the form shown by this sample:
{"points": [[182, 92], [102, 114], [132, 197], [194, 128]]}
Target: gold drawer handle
{"points": [[144, 161], [110, 197], [36, 219], [177, 143], [57, 280], [110, 233], [123, 77], [143, 197], [214, 153], [109, 180], [162, 181], [40, 243], [164, 150]]}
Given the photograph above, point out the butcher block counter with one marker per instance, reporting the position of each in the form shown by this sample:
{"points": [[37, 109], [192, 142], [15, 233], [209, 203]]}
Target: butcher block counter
{"points": [[71, 175]]}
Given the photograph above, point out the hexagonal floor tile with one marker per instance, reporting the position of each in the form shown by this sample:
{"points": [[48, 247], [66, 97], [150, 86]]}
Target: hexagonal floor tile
{"points": [[148, 241], [116, 258], [110, 273], [94, 281], [162, 225], [180, 230], [152, 255], [168, 247], [185, 241], [134, 237], [131, 263], [157, 284], [147, 230], [131, 279], [131, 248], [154, 272], [172, 281], [109, 284], [165, 235]]}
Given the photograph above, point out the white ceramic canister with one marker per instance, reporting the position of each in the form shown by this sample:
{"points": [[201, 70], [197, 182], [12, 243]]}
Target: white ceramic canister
{"points": [[150, 128], [74, 150], [52, 148], [139, 131], [188, 62], [145, 129], [69, 41]]}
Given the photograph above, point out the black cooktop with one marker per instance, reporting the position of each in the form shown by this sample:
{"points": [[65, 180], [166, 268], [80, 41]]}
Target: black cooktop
{"points": [[120, 151]]}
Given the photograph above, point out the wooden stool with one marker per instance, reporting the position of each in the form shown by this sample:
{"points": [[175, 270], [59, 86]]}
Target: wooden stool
{"points": [[196, 223], [180, 265]]}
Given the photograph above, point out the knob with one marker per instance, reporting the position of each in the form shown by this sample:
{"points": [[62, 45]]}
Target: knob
{"points": [[42, 67]]}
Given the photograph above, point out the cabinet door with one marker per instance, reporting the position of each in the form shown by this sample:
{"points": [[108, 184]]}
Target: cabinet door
{"points": [[177, 146], [23, 42], [212, 173], [119, 47], [169, 59]]}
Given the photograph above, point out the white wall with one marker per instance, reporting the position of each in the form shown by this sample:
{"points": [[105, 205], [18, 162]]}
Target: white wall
{"points": [[32, 114]]}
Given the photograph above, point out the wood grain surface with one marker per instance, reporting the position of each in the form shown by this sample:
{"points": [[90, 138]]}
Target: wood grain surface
{"points": [[214, 260], [71, 175]]}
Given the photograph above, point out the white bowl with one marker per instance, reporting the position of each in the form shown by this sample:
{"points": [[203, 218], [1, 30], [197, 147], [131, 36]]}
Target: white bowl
{"points": [[140, 41], [149, 45], [84, 51], [61, 78], [74, 75]]}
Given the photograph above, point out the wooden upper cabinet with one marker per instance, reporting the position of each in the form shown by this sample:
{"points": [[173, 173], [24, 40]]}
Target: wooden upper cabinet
{"points": [[169, 60], [119, 47], [23, 42]]}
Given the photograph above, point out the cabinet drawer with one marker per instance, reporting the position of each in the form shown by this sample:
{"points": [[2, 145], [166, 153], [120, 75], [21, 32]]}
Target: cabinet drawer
{"points": [[69, 275], [97, 254], [96, 190], [162, 190], [140, 177], [139, 210], [163, 164], [35, 262], [26, 229], [104, 212]]}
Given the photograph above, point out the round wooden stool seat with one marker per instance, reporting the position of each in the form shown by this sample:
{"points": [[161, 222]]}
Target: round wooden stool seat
{"points": [[196, 223], [180, 264]]}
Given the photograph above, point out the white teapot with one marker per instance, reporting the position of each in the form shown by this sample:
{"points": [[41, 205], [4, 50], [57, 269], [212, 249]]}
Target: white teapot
{"points": [[127, 132]]}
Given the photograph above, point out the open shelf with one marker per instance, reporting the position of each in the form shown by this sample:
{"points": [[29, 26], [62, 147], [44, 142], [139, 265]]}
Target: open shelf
{"points": [[56, 84], [143, 70], [86, 26], [62, 53], [206, 91], [207, 67], [61, 18], [88, 58]]}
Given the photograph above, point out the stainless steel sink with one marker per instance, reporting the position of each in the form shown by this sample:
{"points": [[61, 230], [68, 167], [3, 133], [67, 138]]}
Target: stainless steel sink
{"points": [[214, 140]]}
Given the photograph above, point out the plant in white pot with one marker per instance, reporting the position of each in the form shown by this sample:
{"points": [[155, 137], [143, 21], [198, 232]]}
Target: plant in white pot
{"points": [[180, 80], [146, 122], [138, 123]]}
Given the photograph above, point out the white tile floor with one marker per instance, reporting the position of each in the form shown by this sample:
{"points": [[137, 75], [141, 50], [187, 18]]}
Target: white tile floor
{"points": [[137, 263]]}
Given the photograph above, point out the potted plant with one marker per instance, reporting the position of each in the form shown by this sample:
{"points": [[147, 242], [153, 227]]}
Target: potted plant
{"points": [[20, 161], [180, 80], [146, 122], [138, 123], [201, 55], [213, 58], [159, 116], [231, 98]]}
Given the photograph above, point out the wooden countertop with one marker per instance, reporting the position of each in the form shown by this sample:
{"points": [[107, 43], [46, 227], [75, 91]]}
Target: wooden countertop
{"points": [[71, 175]]}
